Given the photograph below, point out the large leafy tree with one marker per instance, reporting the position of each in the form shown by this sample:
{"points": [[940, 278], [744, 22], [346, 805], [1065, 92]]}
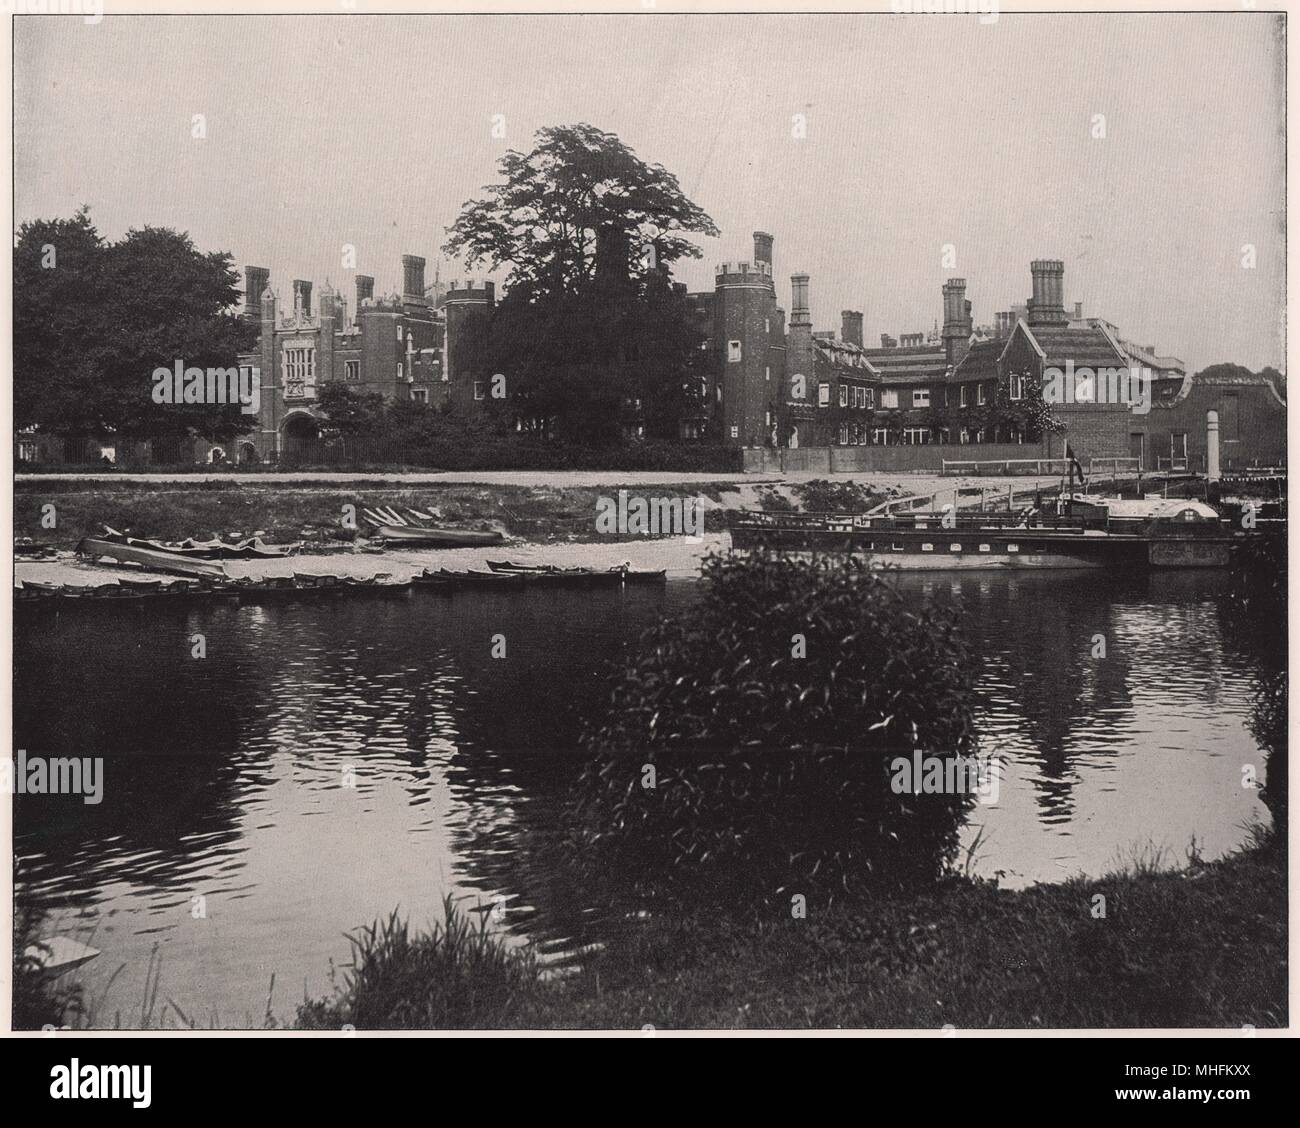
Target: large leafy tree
{"points": [[93, 319], [543, 220], [591, 334]]}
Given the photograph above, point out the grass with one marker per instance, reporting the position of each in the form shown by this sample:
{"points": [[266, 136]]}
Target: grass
{"points": [[284, 512], [1204, 946]]}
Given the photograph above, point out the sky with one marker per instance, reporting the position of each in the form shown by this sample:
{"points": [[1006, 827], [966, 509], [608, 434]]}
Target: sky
{"points": [[922, 134]]}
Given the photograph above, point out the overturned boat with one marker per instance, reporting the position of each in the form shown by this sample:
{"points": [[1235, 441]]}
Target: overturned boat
{"points": [[155, 560], [416, 535], [215, 549]]}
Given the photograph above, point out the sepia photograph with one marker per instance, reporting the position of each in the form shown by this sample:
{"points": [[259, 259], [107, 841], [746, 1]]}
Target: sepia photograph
{"points": [[648, 520]]}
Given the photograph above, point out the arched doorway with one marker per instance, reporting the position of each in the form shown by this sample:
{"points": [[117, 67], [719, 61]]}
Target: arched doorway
{"points": [[300, 436]]}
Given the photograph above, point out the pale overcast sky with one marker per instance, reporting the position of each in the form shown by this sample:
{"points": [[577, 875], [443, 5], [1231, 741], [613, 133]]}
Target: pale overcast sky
{"points": [[921, 131]]}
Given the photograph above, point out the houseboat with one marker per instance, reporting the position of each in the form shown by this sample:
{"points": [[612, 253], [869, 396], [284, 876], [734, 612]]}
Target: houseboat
{"points": [[1070, 531]]}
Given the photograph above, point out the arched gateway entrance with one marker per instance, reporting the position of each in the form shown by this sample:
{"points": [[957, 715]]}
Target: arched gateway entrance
{"points": [[299, 437]]}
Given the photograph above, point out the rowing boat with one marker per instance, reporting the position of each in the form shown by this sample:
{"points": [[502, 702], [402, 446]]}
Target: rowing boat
{"points": [[150, 558], [443, 538]]}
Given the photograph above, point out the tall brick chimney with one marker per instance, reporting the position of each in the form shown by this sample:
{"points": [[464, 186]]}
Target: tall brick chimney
{"points": [[1047, 306], [956, 320], [851, 326], [365, 290], [800, 360], [256, 279], [763, 247], [412, 279], [301, 297]]}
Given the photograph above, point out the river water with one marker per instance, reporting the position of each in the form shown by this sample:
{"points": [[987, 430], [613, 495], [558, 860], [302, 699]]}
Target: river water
{"points": [[328, 762]]}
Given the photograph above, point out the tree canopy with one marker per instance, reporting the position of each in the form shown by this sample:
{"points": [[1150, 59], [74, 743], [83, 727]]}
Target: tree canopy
{"points": [[591, 333], [543, 219], [93, 319]]}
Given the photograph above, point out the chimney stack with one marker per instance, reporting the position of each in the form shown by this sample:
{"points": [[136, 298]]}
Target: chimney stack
{"points": [[301, 298], [412, 279], [801, 360], [956, 320], [1047, 306], [1078, 311], [763, 247], [851, 327], [256, 279], [365, 290], [800, 314]]}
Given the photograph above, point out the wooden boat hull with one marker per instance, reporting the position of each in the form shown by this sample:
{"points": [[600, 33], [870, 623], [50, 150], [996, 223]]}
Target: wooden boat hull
{"points": [[149, 558], [440, 538]]}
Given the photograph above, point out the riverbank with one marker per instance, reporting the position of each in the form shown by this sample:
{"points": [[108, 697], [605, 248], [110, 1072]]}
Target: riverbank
{"points": [[557, 508], [1201, 947]]}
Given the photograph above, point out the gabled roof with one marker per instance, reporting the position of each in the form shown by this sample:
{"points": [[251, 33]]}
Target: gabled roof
{"points": [[1089, 346]]}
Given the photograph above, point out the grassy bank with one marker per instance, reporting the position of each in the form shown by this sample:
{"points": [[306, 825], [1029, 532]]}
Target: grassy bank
{"points": [[288, 513], [1201, 947]]}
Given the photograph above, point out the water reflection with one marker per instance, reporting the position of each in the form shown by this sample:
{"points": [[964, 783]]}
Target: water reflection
{"points": [[328, 762]]}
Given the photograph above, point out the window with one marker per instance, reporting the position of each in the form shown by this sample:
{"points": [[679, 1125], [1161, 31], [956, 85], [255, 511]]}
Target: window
{"points": [[767, 325], [880, 436], [27, 451], [420, 395], [888, 399], [1229, 425], [964, 436], [844, 434], [916, 436], [869, 397], [735, 431], [921, 397], [480, 389], [733, 352], [352, 370], [979, 393], [962, 400], [767, 373], [823, 395], [299, 371], [1017, 387], [844, 395]]}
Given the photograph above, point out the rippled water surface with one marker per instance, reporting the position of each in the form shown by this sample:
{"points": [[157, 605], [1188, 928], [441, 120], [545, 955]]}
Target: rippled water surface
{"points": [[328, 762]]}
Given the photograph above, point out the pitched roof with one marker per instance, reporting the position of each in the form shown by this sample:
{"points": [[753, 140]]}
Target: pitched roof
{"points": [[909, 365], [981, 361], [1089, 346]]}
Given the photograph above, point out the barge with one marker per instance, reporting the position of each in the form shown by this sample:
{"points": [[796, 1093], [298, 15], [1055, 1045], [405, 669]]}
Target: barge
{"points": [[1066, 532]]}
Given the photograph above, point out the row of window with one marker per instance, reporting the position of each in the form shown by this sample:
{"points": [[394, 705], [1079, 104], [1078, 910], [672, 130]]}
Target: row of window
{"points": [[852, 396]]}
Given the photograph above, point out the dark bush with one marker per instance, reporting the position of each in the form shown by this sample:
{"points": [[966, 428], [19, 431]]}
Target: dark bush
{"points": [[822, 496], [773, 771]]}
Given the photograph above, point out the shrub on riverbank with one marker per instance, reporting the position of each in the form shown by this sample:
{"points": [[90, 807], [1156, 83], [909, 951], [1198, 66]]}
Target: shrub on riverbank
{"points": [[457, 975], [748, 746], [1204, 946]]}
